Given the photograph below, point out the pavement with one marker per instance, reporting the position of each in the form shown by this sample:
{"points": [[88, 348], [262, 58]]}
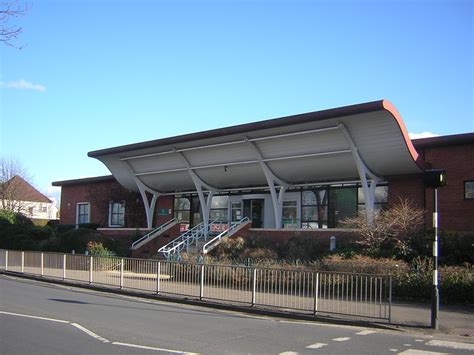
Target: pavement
{"points": [[453, 320]]}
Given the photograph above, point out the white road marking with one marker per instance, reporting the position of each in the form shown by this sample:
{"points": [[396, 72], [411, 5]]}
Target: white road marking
{"points": [[406, 344], [342, 339], [35, 317], [393, 350], [316, 346], [366, 332], [419, 352], [152, 348], [288, 353], [451, 344], [419, 340], [90, 333]]}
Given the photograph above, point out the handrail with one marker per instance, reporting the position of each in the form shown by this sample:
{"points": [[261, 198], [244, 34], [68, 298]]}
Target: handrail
{"points": [[149, 234], [190, 236], [206, 249]]}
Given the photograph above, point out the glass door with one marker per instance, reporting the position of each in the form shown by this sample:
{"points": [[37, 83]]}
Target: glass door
{"points": [[253, 209]]}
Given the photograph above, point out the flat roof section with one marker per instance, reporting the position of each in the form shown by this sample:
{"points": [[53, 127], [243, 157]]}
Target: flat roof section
{"points": [[88, 180], [315, 147]]}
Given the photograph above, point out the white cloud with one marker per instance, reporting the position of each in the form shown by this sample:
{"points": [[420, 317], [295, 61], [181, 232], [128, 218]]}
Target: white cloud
{"points": [[22, 85], [422, 135]]}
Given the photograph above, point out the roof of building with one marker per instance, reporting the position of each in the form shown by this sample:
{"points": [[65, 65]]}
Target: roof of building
{"points": [[315, 147], [457, 139], [88, 180], [439, 141], [21, 190]]}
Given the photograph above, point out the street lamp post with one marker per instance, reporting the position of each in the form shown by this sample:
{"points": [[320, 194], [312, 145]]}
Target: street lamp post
{"points": [[435, 178]]}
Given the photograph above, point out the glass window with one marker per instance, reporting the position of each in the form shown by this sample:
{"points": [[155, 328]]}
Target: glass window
{"points": [[83, 213], [289, 216], [219, 210], [469, 190], [219, 201], [314, 208], [219, 214], [236, 211], [381, 194], [182, 203], [117, 214], [182, 212], [342, 204]]}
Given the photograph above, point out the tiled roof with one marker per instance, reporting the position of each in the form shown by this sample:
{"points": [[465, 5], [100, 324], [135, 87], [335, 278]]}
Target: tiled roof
{"points": [[24, 191]]}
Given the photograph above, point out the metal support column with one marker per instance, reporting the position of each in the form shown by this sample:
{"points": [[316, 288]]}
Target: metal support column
{"points": [[364, 174], [277, 199]]}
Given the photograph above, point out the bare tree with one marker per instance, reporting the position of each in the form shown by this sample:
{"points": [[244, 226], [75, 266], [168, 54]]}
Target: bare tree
{"points": [[10, 189], [9, 30], [391, 228]]}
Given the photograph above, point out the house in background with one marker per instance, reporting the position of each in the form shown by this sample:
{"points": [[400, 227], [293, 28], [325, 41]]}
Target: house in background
{"points": [[20, 196]]}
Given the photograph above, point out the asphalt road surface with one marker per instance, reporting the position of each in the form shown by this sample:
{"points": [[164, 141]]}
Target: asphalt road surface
{"points": [[42, 318]]}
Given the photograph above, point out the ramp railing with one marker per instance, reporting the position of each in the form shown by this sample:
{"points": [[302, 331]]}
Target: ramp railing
{"points": [[150, 235], [211, 244]]}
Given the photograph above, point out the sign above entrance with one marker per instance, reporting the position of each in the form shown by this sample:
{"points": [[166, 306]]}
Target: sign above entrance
{"points": [[164, 211]]}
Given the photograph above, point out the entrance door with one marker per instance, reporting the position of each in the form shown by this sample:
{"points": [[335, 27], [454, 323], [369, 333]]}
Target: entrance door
{"points": [[253, 209]]}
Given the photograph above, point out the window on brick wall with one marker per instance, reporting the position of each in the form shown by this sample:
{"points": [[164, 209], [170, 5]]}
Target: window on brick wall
{"points": [[116, 214], [83, 213], [469, 190]]}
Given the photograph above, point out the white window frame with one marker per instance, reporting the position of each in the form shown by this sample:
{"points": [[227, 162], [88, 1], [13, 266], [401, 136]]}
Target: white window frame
{"points": [[77, 212], [111, 203]]}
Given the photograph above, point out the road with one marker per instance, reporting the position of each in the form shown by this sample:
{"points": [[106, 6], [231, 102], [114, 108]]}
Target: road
{"points": [[42, 318]]}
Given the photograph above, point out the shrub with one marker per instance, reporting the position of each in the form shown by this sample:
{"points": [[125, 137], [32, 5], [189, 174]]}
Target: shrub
{"points": [[98, 249], [8, 216], [390, 233]]}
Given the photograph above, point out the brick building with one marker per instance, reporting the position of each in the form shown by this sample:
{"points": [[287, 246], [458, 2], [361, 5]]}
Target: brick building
{"points": [[318, 168]]}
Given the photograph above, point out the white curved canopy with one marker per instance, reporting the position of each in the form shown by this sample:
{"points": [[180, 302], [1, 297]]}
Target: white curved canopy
{"points": [[317, 147]]}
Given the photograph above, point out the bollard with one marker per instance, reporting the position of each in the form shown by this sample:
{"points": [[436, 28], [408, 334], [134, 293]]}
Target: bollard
{"points": [[254, 286], [121, 273], [332, 243], [90, 269], [158, 272], [64, 267]]}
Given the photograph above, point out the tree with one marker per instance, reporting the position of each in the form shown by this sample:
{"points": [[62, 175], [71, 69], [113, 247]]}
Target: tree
{"points": [[9, 188], [9, 30], [391, 231]]}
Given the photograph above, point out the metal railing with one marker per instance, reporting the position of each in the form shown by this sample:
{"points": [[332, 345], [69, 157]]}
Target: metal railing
{"points": [[150, 235], [191, 238], [299, 291], [211, 244]]}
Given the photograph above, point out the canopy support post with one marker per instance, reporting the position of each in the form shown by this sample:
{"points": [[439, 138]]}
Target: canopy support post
{"points": [[149, 205], [277, 199], [364, 174], [199, 184]]}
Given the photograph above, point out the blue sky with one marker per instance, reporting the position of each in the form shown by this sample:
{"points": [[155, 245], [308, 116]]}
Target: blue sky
{"points": [[97, 74]]}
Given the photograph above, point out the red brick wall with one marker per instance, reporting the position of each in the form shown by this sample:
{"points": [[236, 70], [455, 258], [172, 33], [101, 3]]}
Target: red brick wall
{"points": [[455, 213], [149, 249], [99, 194], [343, 237]]}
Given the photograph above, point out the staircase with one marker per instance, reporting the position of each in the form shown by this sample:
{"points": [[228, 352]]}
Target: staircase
{"points": [[201, 237]]}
